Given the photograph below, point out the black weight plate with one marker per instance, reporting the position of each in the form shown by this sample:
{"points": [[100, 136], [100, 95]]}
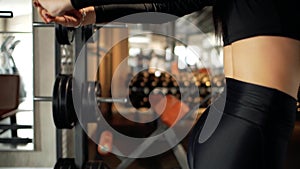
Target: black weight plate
{"points": [[65, 163], [56, 101], [64, 35], [70, 111], [70, 34], [58, 34], [88, 33], [62, 90], [67, 124]]}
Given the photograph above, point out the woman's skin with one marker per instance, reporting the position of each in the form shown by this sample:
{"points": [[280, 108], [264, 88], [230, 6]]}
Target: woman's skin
{"points": [[270, 61], [55, 7]]}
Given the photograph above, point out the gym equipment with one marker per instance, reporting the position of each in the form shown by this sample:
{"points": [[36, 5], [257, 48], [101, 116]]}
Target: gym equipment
{"points": [[64, 115], [88, 32], [6, 14], [9, 102], [66, 61], [95, 165], [170, 109], [8, 64], [65, 163], [64, 35]]}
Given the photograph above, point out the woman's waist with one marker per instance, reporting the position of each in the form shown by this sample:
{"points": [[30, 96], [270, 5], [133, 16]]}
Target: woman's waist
{"points": [[268, 61]]}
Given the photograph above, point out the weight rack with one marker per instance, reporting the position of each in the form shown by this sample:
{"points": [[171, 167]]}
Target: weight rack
{"points": [[79, 38]]}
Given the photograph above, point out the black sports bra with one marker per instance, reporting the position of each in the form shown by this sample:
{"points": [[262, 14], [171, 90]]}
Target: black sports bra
{"points": [[241, 18], [247, 18]]}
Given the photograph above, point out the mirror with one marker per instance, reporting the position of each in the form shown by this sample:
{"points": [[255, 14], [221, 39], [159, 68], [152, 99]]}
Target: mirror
{"points": [[16, 75]]}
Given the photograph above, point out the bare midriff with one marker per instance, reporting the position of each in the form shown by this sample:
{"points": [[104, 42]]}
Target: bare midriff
{"points": [[269, 61]]}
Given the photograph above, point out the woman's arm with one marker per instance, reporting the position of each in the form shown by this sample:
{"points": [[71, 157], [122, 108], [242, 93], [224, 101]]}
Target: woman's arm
{"points": [[59, 7], [78, 4], [107, 13]]}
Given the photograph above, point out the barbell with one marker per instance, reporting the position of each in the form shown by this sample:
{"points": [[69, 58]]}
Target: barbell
{"points": [[63, 111]]}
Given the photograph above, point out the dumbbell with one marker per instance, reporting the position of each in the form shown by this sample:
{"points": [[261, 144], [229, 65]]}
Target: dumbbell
{"points": [[143, 83], [65, 163]]}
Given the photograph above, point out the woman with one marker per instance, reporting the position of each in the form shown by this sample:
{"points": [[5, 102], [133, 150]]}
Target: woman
{"points": [[261, 64]]}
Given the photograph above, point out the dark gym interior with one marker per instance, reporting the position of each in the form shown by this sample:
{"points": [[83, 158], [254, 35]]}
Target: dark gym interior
{"points": [[65, 91]]}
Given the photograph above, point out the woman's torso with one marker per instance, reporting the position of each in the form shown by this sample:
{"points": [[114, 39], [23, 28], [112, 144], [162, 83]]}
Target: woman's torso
{"points": [[269, 61], [262, 42]]}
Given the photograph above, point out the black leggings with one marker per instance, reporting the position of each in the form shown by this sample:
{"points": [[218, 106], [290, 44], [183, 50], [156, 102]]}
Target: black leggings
{"points": [[253, 133]]}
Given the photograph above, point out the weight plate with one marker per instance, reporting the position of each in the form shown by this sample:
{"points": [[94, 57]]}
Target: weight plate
{"points": [[61, 97], [56, 102], [64, 35], [67, 123], [71, 114]]}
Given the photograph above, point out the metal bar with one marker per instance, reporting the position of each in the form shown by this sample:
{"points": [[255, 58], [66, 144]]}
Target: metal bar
{"points": [[42, 24], [180, 155], [141, 148], [111, 100], [81, 147], [110, 26], [6, 14], [15, 127], [80, 138], [57, 68], [14, 32], [15, 140], [99, 99], [3, 131], [42, 99], [13, 120]]}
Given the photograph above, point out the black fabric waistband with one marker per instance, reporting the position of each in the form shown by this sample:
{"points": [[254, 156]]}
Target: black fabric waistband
{"points": [[259, 104]]}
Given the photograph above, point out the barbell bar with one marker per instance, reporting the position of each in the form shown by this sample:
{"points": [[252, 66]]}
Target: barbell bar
{"points": [[99, 99], [42, 24]]}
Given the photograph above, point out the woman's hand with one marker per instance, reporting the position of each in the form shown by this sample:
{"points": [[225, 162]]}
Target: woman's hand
{"points": [[54, 7], [72, 18], [75, 18]]}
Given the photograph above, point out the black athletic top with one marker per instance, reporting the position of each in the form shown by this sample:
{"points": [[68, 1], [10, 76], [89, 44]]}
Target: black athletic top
{"points": [[241, 18]]}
